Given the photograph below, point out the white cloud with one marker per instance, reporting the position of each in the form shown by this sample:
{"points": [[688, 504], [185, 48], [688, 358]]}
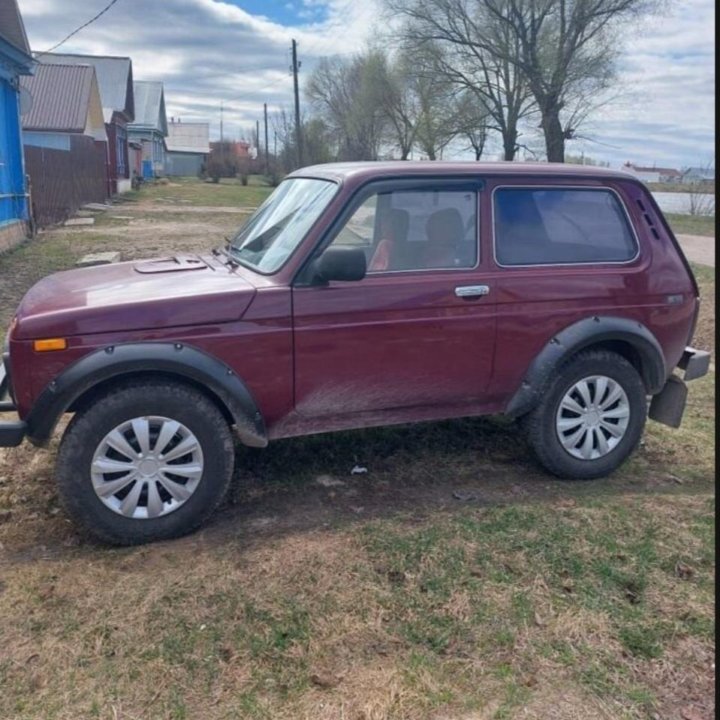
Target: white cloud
{"points": [[211, 51]]}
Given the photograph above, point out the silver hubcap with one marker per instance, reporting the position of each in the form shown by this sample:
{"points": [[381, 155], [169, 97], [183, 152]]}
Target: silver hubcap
{"points": [[147, 467], [593, 417]]}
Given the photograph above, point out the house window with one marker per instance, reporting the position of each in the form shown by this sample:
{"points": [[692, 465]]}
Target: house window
{"points": [[558, 226]]}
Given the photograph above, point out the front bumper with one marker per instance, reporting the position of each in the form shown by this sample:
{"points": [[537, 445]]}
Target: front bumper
{"points": [[11, 433], [668, 406]]}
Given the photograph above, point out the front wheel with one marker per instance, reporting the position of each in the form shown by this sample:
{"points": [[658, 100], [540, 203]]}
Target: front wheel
{"points": [[591, 417], [146, 461]]}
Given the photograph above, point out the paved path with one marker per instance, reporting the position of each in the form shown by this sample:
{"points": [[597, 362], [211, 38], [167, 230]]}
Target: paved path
{"points": [[698, 249]]}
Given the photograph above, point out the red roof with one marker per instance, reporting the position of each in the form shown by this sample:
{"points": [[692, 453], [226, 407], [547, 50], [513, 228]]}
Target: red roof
{"points": [[660, 170]]}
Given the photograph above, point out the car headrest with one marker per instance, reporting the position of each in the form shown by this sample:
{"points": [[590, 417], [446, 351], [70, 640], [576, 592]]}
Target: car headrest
{"points": [[445, 226], [397, 223]]}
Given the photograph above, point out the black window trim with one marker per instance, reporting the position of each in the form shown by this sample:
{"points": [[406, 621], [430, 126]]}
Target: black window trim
{"points": [[377, 186], [596, 188]]}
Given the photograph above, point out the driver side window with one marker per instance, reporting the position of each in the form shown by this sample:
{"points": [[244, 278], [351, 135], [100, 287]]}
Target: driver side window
{"points": [[409, 230]]}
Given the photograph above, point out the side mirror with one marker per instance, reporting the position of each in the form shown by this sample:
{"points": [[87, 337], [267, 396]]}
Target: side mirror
{"points": [[346, 264]]}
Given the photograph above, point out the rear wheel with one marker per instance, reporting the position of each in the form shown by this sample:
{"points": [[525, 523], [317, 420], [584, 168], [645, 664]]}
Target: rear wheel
{"points": [[591, 416], [147, 461]]}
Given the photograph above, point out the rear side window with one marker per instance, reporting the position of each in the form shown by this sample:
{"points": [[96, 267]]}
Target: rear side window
{"points": [[554, 226]]}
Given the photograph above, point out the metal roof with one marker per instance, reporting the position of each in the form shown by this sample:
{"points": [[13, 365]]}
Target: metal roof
{"points": [[150, 107], [60, 98], [189, 137], [114, 76], [11, 26]]}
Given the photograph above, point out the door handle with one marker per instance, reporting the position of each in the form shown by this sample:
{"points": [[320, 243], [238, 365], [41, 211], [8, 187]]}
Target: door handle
{"points": [[471, 291]]}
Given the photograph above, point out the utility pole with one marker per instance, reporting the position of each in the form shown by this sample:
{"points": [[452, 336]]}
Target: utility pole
{"points": [[298, 127], [222, 136], [267, 148], [257, 138]]}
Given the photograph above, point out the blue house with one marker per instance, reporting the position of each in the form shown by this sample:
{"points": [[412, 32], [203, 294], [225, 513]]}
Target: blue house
{"points": [[15, 60], [150, 127]]}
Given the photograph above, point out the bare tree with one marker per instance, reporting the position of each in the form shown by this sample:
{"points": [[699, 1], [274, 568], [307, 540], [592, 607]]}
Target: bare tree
{"points": [[562, 50], [401, 105], [435, 100], [284, 129], [701, 196], [472, 121], [453, 33], [317, 140], [348, 95], [565, 49]]}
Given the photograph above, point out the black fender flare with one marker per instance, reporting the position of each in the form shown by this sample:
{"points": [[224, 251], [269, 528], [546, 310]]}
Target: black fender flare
{"points": [[582, 334], [171, 359]]}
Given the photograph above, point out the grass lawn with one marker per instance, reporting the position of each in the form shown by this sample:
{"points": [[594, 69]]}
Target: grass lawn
{"points": [[692, 224], [191, 191], [454, 580]]}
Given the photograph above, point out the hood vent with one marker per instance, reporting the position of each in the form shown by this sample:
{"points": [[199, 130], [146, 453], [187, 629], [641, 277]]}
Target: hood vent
{"points": [[172, 264]]}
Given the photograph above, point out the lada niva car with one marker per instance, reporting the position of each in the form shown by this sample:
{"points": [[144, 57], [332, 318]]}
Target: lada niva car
{"points": [[357, 295]]}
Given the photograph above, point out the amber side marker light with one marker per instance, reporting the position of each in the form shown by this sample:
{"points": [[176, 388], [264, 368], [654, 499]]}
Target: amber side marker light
{"points": [[50, 345]]}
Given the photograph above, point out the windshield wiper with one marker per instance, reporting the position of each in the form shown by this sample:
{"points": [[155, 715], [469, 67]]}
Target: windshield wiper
{"points": [[231, 259]]}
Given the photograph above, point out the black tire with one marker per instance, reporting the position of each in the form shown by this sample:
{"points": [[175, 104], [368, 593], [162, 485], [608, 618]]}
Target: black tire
{"points": [[540, 423], [124, 402]]}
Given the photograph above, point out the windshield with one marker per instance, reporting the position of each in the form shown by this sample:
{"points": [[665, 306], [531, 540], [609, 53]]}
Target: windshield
{"points": [[279, 225]]}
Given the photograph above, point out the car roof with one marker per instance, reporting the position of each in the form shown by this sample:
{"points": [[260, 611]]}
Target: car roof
{"points": [[393, 168]]}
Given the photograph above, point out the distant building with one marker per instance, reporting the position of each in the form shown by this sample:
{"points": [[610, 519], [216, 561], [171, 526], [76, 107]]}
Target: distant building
{"points": [[239, 150], [150, 127], [692, 175], [188, 147], [653, 174], [15, 61], [115, 81], [65, 141]]}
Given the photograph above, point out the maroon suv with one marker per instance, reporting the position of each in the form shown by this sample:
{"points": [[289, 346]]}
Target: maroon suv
{"points": [[357, 295]]}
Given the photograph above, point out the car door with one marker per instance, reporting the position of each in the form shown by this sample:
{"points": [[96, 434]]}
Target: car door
{"points": [[565, 251], [419, 329]]}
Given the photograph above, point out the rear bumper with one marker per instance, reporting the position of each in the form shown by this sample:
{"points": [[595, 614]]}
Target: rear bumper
{"points": [[668, 406], [695, 363]]}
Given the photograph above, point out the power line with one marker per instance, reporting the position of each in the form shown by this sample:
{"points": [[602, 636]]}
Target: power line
{"points": [[262, 89], [77, 30]]}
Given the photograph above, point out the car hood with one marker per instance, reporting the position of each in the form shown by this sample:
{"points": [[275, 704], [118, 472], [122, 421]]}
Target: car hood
{"points": [[166, 292]]}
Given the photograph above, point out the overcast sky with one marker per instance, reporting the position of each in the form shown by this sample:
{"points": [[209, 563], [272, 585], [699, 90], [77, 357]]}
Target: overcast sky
{"points": [[238, 52]]}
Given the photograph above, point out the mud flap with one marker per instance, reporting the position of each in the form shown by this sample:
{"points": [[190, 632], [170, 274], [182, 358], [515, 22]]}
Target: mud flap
{"points": [[668, 406]]}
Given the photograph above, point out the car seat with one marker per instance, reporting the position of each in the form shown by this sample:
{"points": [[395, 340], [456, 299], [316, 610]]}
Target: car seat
{"points": [[445, 231], [390, 250]]}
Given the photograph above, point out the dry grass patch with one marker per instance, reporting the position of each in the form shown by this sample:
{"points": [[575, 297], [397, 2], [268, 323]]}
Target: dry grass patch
{"points": [[490, 613], [692, 224], [705, 331]]}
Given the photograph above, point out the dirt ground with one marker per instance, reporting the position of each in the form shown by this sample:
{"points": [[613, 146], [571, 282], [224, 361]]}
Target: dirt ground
{"points": [[454, 579]]}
